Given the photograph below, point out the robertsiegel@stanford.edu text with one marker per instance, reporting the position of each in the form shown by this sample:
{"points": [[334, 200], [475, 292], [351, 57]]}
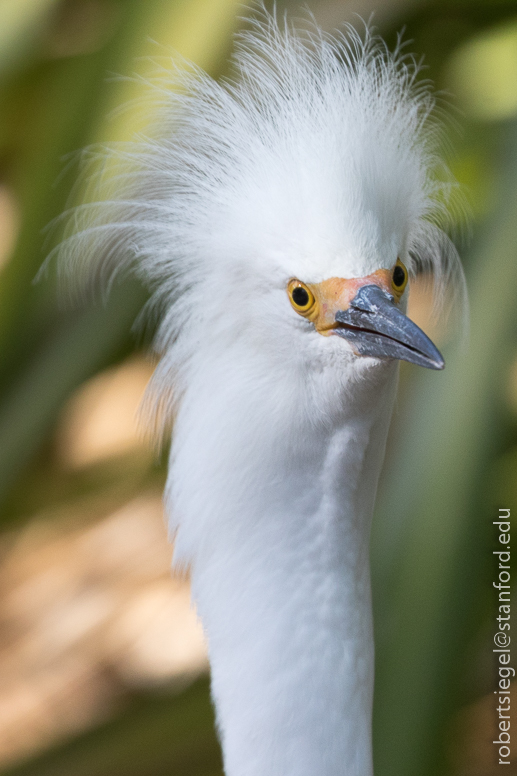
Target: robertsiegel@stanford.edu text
{"points": [[502, 638]]}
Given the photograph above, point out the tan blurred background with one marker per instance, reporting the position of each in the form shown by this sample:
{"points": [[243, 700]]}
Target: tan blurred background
{"points": [[103, 666]]}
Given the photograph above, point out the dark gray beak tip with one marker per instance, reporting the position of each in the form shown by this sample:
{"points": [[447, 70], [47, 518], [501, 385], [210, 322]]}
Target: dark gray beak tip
{"points": [[438, 363], [376, 327]]}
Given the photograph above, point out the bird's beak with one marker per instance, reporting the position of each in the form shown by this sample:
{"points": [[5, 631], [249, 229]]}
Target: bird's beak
{"points": [[376, 327]]}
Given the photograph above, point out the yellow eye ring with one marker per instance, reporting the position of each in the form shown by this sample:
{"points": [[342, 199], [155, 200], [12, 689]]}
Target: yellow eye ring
{"points": [[399, 278], [301, 297]]}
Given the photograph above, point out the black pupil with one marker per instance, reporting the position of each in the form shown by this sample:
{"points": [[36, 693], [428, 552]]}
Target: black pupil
{"points": [[300, 296], [399, 275]]}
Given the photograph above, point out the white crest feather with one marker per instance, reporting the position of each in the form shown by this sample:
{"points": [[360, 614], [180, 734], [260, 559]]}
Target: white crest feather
{"points": [[321, 153]]}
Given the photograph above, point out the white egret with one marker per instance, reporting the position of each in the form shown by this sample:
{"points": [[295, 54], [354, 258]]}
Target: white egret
{"points": [[278, 216]]}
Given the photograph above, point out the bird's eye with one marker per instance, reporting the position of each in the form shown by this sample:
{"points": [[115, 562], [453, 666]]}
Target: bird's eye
{"points": [[301, 297], [399, 277]]}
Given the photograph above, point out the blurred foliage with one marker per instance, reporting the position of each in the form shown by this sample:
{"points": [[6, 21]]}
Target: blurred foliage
{"points": [[453, 452], [158, 736], [432, 558]]}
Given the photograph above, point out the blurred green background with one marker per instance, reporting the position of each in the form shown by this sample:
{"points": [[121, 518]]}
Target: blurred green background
{"points": [[76, 480]]}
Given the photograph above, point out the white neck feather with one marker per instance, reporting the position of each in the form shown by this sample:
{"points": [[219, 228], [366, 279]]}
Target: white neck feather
{"points": [[276, 527]]}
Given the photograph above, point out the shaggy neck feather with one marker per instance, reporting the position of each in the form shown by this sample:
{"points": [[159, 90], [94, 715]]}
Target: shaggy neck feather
{"points": [[281, 581]]}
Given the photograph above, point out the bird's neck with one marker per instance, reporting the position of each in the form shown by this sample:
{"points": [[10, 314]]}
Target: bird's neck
{"points": [[281, 580]]}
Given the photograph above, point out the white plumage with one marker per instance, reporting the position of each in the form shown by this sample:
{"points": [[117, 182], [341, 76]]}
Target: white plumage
{"points": [[317, 162]]}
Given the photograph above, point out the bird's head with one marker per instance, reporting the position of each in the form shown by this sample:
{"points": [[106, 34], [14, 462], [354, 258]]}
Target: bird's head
{"points": [[366, 312], [284, 210]]}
